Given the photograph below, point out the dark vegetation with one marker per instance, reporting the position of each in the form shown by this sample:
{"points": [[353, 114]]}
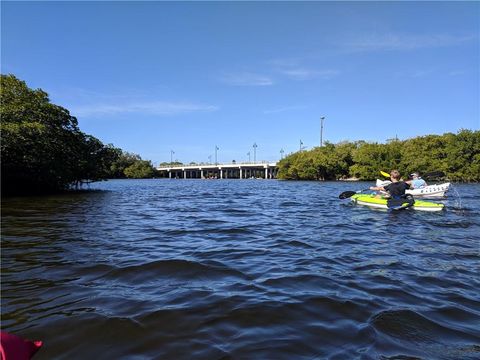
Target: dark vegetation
{"points": [[43, 149], [457, 155]]}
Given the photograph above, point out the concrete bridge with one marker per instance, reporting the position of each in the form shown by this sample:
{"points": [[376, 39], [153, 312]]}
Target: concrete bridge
{"points": [[263, 170]]}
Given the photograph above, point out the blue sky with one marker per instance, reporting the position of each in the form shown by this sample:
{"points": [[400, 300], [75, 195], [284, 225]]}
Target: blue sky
{"points": [[151, 77]]}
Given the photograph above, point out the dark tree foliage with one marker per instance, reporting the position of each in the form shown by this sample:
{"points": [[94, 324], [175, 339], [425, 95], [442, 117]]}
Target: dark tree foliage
{"points": [[123, 161], [128, 165], [175, 163], [140, 169], [457, 155], [42, 148]]}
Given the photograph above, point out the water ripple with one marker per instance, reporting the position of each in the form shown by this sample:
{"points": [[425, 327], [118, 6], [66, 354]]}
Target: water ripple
{"points": [[161, 269]]}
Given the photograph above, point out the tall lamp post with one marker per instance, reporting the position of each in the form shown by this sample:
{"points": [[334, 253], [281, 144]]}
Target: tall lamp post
{"points": [[321, 130], [171, 156], [281, 153], [216, 149], [210, 159], [249, 159], [255, 152], [301, 145]]}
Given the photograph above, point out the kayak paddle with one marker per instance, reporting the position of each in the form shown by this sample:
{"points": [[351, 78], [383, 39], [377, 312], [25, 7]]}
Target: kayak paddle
{"points": [[426, 175], [434, 174], [347, 194]]}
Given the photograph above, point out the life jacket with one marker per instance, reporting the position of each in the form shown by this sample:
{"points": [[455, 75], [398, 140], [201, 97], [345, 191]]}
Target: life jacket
{"points": [[403, 201]]}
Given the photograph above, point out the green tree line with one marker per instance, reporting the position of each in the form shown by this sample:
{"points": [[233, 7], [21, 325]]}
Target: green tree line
{"points": [[457, 155], [43, 149]]}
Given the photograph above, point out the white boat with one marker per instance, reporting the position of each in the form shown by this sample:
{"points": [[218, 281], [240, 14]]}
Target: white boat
{"points": [[429, 191]]}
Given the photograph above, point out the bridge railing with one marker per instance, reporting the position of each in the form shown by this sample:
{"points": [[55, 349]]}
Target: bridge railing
{"points": [[243, 163]]}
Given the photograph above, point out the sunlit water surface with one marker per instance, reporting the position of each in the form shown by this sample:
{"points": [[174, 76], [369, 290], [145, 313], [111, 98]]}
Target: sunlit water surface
{"points": [[243, 269]]}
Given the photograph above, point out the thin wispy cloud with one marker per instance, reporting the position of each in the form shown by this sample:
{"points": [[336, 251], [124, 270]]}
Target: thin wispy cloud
{"points": [[294, 69], [283, 109], [246, 79], [307, 74], [422, 73], [112, 97], [402, 42], [285, 62], [159, 108], [457, 72]]}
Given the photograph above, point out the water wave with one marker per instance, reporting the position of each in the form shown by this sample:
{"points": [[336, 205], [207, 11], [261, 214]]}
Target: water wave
{"points": [[240, 269]]}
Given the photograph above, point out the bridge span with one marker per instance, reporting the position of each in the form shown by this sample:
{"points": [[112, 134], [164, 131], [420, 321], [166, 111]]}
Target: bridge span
{"points": [[258, 170]]}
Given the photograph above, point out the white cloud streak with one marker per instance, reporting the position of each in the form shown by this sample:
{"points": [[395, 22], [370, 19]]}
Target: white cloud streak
{"points": [[403, 42], [293, 69], [457, 72], [246, 79], [283, 109], [159, 108], [307, 74]]}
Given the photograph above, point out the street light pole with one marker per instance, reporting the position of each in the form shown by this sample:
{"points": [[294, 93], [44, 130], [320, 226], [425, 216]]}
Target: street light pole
{"points": [[216, 149], [210, 159], [321, 130], [301, 143], [255, 152], [281, 153], [249, 159], [171, 156]]}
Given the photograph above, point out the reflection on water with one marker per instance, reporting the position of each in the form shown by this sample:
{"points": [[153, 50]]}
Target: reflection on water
{"points": [[239, 269]]}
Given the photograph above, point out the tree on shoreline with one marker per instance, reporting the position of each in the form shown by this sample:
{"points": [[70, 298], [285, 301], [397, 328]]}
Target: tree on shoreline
{"points": [[129, 165], [42, 148], [44, 151], [457, 155], [140, 169]]}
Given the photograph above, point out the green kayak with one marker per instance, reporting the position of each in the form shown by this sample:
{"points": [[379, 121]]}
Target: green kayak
{"points": [[372, 201]]}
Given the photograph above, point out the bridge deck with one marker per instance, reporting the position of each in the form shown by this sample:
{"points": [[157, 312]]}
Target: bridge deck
{"points": [[262, 165], [249, 170]]}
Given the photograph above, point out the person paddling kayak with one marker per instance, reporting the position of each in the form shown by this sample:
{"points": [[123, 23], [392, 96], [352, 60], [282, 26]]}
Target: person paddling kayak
{"points": [[417, 181], [396, 190]]}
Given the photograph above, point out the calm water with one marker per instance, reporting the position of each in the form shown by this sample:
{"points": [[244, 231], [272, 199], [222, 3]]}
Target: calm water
{"points": [[242, 269]]}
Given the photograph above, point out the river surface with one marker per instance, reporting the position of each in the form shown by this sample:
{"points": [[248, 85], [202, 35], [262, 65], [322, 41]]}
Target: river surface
{"points": [[240, 269]]}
